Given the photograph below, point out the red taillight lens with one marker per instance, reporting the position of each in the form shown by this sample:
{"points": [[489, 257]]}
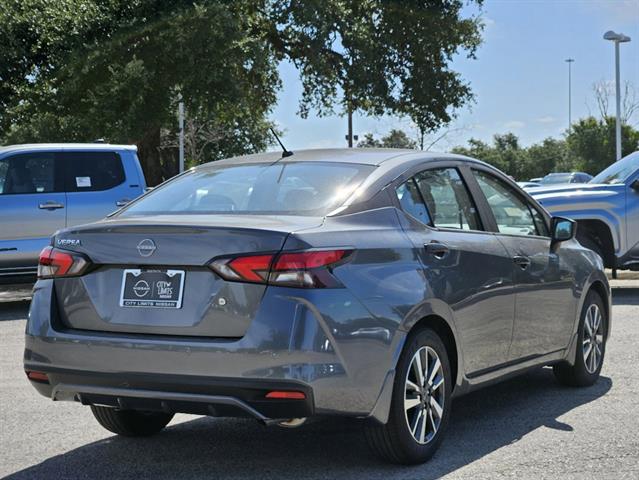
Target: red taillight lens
{"points": [[286, 395], [37, 376], [295, 269], [307, 260], [60, 263]]}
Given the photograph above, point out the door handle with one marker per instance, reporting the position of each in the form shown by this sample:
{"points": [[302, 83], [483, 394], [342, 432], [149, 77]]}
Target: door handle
{"points": [[50, 205], [522, 261], [122, 202], [437, 250]]}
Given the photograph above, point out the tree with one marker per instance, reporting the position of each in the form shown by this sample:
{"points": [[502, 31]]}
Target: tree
{"points": [[394, 139], [603, 92], [76, 70], [592, 143], [377, 56]]}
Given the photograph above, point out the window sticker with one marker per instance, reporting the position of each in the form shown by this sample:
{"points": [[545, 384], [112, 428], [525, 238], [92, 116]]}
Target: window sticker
{"points": [[83, 182]]}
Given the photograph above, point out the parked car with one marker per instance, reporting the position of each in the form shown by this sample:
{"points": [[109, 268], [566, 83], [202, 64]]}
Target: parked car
{"points": [[561, 178], [535, 180], [47, 187], [606, 210], [525, 185], [375, 284]]}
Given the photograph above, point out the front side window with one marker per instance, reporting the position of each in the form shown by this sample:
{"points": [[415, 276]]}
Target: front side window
{"points": [[286, 188], [92, 171], [28, 173], [513, 215], [447, 199]]}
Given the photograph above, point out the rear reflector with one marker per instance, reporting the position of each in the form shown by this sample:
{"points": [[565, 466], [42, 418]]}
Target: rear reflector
{"points": [[60, 263], [37, 376], [286, 395]]}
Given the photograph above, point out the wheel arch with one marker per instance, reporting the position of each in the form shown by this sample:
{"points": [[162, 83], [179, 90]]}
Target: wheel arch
{"points": [[603, 234]]}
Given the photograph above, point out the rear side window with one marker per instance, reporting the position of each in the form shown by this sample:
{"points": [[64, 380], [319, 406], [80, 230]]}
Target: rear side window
{"points": [[92, 171], [411, 201], [447, 199], [291, 188], [29, 173]]}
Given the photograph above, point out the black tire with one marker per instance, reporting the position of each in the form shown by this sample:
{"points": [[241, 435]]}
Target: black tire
{"points": [[579, 374], [131, 423], [394, 442]]}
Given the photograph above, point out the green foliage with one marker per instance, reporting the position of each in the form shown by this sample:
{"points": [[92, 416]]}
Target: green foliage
{"points": [[589, 147], [76, 70], [394, 139], [386, 56], [591, 143]]}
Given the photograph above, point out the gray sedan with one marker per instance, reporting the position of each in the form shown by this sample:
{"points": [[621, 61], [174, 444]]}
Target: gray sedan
{"points": [[376, 284]]}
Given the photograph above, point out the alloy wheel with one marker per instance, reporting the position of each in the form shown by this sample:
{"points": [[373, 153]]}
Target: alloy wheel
{"points": [[593, 338], [424, 395]]}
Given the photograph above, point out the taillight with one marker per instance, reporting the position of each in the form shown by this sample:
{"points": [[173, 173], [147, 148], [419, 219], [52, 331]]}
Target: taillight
{"points": [[60, 263], [294, 269]]}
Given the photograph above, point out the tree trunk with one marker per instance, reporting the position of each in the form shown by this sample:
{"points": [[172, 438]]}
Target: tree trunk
{"points": [[149, 154]]}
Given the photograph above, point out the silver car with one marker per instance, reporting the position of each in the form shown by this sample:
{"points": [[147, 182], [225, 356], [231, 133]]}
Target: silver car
{"points": [[376, 284], [46, 187], [606, 210]]}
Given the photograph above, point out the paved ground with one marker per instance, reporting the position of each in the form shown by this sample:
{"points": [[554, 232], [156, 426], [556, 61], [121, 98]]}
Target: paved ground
{"points": [[529, 428]]}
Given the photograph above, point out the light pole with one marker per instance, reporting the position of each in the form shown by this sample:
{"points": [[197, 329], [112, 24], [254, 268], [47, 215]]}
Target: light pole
{"points": [[569, 61], [617, 38]]}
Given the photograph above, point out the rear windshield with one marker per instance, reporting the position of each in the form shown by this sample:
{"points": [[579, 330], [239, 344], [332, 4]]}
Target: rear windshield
{"points": [[303, 188]]}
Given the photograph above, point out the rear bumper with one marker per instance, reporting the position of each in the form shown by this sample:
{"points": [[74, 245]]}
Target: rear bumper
{"points": [[306, 345], [177, 394]]}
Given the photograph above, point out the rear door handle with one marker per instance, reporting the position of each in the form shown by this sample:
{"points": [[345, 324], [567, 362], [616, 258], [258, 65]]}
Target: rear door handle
{"points": [[522, 261], [50, 205], [122, 202], [436, 249]]}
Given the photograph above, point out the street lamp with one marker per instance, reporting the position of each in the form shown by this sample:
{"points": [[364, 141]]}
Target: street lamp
{"points": [[617, 38], [569, 61]]}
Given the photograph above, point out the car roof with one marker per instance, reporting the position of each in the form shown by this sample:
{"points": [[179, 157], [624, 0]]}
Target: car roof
{"points": [[363, 156], [59, 147]]}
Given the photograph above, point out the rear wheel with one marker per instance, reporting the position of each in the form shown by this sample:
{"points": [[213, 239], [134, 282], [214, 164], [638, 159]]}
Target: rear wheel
{"points": [[421, 403], [591, 346], [131, 423]]}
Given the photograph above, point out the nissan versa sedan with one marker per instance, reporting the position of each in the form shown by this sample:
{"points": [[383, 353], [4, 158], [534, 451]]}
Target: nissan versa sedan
{"points": [[376, 284]]}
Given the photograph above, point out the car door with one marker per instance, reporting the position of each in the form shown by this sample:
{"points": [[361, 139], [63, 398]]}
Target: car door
{"points": [[95, 184], [32, 208], [464, 266], [544, 299]]}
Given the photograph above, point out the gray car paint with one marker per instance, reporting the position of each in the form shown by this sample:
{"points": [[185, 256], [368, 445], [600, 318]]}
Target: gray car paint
{"points": [[342, 342]]}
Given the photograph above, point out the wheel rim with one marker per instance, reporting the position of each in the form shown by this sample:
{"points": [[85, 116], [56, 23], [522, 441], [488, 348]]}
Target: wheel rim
{"points": [[424, 395], [593, 338]]}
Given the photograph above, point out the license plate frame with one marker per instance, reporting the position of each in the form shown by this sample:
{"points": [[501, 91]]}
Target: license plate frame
{"points": [[152, 288]]}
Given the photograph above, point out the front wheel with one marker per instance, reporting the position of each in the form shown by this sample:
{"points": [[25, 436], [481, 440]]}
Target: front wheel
{"points": [[591, 346], [421, 403], [131, 423]]}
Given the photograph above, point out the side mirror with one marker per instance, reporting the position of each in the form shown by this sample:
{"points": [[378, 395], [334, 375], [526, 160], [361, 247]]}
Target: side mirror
{"points": [[635, 185], [563, 229]]}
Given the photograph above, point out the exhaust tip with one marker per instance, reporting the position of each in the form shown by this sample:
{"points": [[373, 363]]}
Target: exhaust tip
{"points": [[292, 423]]}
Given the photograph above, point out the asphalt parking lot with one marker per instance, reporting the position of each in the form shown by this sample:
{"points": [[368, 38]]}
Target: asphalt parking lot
{"points": [[529, 427]]}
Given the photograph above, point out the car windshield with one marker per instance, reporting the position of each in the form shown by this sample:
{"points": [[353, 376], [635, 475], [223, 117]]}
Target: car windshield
{"points": [[555, 178], [619, 171], [291, 188]]}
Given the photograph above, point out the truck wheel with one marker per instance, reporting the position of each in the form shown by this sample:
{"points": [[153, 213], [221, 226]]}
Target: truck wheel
{"points": [[131, 423], [591, 346], [420, 406]]}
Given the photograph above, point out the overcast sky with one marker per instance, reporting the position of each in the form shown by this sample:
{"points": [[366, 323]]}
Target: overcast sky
{"points": [[520, 78]]}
